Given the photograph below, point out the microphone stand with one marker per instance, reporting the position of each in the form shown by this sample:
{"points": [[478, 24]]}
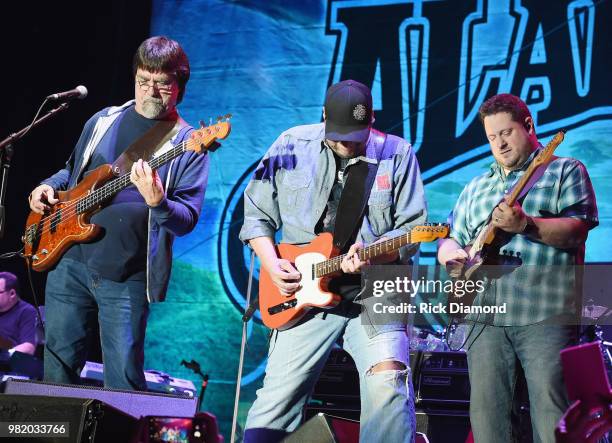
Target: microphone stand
{"points": [[250, 309], [195, 367], [6, 156]]}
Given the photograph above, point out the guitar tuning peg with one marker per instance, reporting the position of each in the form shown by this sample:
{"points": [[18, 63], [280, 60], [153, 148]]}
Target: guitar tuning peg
{"points": [[227, 116], [219, 118], [202, 124], [210, 121]]}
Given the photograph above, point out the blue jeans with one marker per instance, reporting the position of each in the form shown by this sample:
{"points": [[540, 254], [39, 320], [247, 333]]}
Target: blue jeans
{"points": [[295, 360], [493, 353], [74, 297]]}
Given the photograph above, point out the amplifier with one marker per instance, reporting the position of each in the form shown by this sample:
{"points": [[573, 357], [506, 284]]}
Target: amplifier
{"points": [[443, 380], [77, 420], [157, 381], [339, 380], [448, 427]]}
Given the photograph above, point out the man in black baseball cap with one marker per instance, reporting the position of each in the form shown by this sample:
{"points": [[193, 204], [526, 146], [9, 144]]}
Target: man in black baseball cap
{"points": [[348, 112], [333, 177]]}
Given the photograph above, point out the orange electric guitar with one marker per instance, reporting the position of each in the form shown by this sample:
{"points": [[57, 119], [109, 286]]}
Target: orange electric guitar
{"points": [[48, 236], [318, 263]]}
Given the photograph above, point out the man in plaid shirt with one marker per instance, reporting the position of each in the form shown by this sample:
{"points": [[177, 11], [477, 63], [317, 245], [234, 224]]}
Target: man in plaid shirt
{"points": [[546, 234]]}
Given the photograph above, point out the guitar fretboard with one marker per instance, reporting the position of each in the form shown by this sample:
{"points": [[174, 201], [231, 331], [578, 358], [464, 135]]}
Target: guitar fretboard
{"points": [[374, 250], [541, 158], [111, 188]]}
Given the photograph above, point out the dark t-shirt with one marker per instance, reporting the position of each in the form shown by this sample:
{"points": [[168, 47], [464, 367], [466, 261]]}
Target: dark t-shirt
{"points": [[120, 253], [327, 222], [18, 324], [347, 285]]}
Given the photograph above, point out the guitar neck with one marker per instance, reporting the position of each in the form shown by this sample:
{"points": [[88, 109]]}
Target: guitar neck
{"points": [[111, 188], [488, 231], [374, 250], [543, 156], [520, 185]]}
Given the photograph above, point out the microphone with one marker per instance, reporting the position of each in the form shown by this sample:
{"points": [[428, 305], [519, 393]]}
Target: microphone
{"points": [[79, 92]]}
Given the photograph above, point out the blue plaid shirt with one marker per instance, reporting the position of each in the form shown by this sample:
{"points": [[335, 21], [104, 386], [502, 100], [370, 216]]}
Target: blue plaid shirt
{"points": [[541, 285]]}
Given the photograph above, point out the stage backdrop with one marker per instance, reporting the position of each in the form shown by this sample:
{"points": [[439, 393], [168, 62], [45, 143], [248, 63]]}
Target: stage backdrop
{"points": [[430, 65]]}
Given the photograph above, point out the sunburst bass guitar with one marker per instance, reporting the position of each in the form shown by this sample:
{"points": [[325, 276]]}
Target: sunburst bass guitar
{"points": [[47, 236]]}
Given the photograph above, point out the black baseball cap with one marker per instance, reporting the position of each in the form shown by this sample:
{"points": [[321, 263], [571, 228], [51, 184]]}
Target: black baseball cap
{"points": [[348, 111]]}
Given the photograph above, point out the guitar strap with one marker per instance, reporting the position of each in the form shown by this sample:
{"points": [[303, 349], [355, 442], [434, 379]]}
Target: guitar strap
{"points": [[147, 145], [355, 195], [537, 174]]}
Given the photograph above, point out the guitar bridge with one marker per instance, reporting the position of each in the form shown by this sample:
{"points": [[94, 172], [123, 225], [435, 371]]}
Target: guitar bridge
{"points": [[276, 309]]}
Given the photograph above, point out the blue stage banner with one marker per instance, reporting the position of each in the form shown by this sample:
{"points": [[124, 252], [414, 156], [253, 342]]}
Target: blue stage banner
{"points": [[430, 64]]}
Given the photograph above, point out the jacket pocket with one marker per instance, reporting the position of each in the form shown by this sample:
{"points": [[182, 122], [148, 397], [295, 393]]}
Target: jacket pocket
{"points": [[294, 189], [380, 205]]}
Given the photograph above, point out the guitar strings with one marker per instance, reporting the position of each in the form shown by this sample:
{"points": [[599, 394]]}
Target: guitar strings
{"points": [[108, 189], [100, 194], [333, 264]]}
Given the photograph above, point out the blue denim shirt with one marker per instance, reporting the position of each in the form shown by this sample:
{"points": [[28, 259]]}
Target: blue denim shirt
{"points": [[290, 188]]}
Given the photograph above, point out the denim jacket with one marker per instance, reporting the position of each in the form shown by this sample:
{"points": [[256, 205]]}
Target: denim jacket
{"points": [[290, 188], [291, 185]]}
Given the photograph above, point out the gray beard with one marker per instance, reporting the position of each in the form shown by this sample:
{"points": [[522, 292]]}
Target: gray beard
{"points": [[153, 108]]}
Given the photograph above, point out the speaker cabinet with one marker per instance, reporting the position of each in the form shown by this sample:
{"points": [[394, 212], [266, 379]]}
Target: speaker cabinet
{"points": [[79, 420], [323, 428], [443, 427], [134, 403]]}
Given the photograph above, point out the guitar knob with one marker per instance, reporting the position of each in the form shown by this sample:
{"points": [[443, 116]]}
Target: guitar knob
{"points": [[44, 251], [35, 257]]}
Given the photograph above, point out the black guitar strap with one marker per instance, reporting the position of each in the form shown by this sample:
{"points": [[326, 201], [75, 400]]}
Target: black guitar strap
{"points": [[355, 195], [147, 144]]}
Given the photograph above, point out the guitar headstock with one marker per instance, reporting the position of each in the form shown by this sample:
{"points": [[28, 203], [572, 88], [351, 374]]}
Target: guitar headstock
{"points": [[546, 154], [429, 232], [204, 139]]}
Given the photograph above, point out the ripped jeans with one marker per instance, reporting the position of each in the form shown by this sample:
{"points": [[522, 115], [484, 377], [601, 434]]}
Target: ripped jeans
{"points": [[296, 358]]}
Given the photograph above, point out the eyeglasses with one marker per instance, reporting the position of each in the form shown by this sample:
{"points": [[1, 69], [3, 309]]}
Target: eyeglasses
{"points": [[164, 86]]}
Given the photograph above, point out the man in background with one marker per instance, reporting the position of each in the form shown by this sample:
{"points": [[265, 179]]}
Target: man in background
{"points": [[17, 317]]}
